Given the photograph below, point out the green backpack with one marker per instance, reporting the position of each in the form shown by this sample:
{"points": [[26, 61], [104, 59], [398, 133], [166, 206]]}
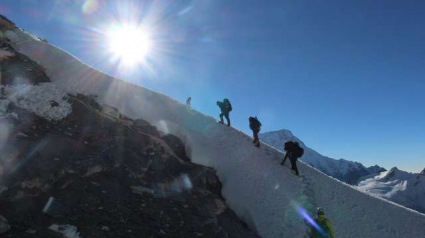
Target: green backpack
{"points": [[228, 105]]}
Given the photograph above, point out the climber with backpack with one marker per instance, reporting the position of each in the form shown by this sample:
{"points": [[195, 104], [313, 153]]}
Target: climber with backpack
{"points": [[225, 108], [188, 101], [293, 151], [322, 227], [255, 126]]}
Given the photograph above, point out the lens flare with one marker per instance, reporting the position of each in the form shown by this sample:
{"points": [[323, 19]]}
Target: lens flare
{"points": [[309, 219], [90, 6], [130, 44]]}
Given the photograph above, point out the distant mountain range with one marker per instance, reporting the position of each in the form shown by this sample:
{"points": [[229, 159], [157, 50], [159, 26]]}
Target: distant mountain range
{"points": [[407, 189], [344, 170], [398, 186]]}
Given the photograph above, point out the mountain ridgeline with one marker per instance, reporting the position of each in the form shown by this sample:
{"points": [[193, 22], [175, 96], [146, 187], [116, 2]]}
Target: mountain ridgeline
{"points": [[344, 170]]}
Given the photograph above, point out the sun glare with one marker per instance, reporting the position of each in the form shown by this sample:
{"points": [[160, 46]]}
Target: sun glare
{"points": [[130, 44]]}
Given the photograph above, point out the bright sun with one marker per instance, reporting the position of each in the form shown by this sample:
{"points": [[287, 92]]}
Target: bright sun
{"points": [[130, 44]]}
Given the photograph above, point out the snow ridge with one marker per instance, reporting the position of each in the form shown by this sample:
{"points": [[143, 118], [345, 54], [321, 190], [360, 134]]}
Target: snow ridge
{"points": [[344, 170], [397, 186], [267, 196]]}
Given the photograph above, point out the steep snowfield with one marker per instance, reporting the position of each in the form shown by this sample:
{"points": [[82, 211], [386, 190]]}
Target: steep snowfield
{"points": [[344, 170], [265, 194], [398, 186]]}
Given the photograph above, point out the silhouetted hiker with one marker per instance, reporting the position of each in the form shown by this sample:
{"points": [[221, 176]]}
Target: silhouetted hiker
{"points": [[225, 108], [255, 126], [324, 226], [293, 151], [188, 101]]}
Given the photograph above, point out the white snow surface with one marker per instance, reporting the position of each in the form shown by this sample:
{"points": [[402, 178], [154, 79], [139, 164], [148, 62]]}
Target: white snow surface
{"points": [[37, 99], [341, 168], [260, 191], [398, 186]]}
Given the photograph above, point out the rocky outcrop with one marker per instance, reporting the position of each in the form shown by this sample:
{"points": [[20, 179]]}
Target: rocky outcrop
{"points": [[376, 169], [19, 69], [6, 24], [101, 174]]}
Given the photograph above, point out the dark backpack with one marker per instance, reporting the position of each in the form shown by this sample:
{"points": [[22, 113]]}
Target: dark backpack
{"points": [[254, 123], [289, 145], [228, 105], [297, 151]]}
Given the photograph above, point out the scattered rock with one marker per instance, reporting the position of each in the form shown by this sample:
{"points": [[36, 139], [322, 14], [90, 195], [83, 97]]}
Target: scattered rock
{"points": [[68, 231], [4, 225], [21, 134], [31, 231]]}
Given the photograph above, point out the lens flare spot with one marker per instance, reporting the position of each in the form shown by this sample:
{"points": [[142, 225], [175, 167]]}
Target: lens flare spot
{"points": [[90, 6], [131, 44]]}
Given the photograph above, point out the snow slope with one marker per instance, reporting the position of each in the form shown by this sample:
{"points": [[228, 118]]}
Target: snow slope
{"points": [[398, 186], [344, 170], [260, 191]]}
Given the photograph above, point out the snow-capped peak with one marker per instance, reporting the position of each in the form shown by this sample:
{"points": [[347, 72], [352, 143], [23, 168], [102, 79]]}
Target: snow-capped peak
{"points": [[423, 172], [395, 173], [398, 186]]}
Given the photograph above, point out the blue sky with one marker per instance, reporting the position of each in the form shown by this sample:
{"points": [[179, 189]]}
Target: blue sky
{"points": [[347, 77]]}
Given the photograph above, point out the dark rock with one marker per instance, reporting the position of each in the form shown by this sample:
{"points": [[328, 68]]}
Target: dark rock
{"points": [[391, 173], [6, 24], [54, 104], [92, 181], [4, 225], [176, 145], [376, 169], [20, 69], [57, 209], [31, 231], [141, 125]]}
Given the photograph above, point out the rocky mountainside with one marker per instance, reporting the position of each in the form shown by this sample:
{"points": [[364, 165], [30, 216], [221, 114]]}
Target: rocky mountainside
{"points": [[344, 170], [70, 167], [376, 169]]}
